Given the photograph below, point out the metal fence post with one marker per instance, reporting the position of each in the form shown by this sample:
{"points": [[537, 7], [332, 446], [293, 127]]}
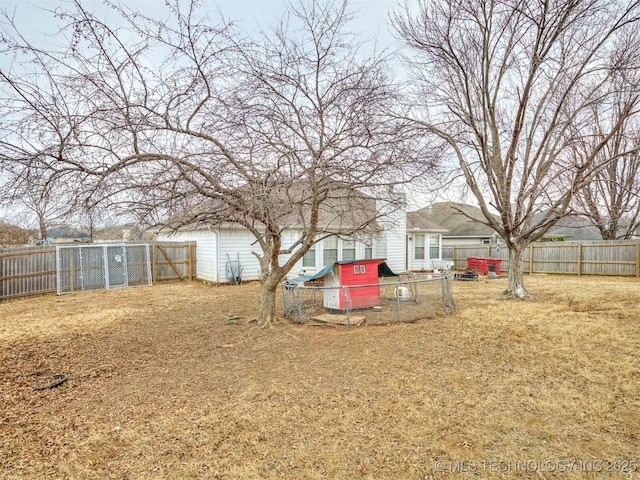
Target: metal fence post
{"points": [[347, 304]]}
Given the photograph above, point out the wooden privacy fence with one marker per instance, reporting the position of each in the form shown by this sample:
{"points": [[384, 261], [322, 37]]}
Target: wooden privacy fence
{"points": [[621, 258], [33, 270]]}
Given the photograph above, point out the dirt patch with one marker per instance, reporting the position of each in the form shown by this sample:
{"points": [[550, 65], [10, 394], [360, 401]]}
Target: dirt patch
{"points": [[174, 381]]}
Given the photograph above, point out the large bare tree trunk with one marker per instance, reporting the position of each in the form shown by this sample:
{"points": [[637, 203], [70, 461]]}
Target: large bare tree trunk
{"points": [[268, 315], [516, 273], [42, 227]]}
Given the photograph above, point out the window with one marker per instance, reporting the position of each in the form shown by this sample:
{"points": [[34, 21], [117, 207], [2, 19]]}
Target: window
{"points": [[348, 250], [358, 269], [330, 250], [368, 248], [309, 259], [434, 246], [418, 245]]}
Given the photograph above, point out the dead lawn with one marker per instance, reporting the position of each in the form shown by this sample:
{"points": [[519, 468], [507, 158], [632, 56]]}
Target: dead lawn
{"points": [[162, 385]]}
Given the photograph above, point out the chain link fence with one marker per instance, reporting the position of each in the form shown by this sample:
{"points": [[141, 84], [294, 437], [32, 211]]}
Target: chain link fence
{"points": [[406, 298], [91, 267]]}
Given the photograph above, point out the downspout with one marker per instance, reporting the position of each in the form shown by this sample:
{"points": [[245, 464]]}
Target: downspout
{"points": [[406, 253], [217, 232]]}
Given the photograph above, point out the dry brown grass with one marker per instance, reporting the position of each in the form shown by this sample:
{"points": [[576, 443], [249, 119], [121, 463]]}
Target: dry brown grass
{"points": [[162, 385]]}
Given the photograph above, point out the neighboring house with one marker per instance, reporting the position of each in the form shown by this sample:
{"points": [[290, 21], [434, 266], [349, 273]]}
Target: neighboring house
{"points": [[572, 228], [460, 229], [64, 234], [121, 233]]}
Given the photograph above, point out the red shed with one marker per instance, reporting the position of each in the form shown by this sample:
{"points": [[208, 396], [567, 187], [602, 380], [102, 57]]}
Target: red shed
{"points": [[348, 273]]}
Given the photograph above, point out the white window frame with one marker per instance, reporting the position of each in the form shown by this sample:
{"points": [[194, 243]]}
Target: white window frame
{"points": [[419, 242], [325, 250], [348, 245], [434, 246], [310, 258], [368, 247]]}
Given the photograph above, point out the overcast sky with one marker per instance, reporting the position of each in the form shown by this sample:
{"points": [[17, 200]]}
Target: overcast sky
{"points": [[372, 16]]}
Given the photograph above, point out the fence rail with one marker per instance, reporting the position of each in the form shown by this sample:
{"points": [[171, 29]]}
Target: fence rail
{"points": [[32, 270], [620, 258]]}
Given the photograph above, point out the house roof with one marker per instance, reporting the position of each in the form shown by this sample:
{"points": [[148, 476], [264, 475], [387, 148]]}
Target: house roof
{"points": [[340, 208], [574, 227], [65, 231], [454, 217], [420, 221]]}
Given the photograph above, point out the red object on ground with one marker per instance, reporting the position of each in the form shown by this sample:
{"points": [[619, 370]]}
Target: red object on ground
{"points": [[481, 265], [351, 273]]}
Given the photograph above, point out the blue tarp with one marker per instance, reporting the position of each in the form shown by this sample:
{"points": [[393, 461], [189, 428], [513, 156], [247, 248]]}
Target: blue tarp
{"points": [[307, 278]]}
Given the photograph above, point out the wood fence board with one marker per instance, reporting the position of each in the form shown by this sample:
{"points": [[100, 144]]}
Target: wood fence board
{"points": [[594, 258]]}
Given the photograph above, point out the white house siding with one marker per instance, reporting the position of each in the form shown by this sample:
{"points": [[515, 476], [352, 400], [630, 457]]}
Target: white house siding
{"points": [[237, 244], [288, 238], [380, 246], [206, 258], [216, 247], [394, 225]]}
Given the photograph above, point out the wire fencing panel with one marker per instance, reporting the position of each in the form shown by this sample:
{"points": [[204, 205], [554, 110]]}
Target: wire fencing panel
{"points": [[138, 265], [92, 267], [407, 298], [33, 270]]}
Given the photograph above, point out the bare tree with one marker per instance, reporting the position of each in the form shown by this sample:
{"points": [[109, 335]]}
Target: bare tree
{"points": [[42, 193], [12, 235], [510, 87], [611, 199], [43, 154], [282, 134]]}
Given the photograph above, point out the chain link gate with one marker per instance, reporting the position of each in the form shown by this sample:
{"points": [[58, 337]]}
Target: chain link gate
{"points": [[91, 267]]}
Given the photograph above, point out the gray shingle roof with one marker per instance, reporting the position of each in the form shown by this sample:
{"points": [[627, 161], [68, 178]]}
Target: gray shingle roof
{"points": [[575, 228], [419, 221], [448, 215]]}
